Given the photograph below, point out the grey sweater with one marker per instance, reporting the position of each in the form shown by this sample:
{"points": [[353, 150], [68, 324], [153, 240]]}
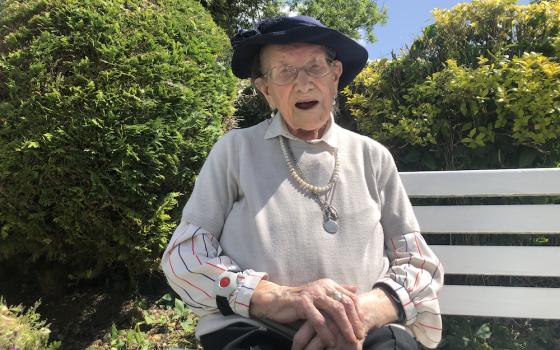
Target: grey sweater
{"points": [[264, 221]]}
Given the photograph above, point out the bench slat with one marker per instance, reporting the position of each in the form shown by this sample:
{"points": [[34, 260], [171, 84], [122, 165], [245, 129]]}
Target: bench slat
{"points": [[538, 218], [516, 302], [493, 301], [483, 183], [499, 260]]}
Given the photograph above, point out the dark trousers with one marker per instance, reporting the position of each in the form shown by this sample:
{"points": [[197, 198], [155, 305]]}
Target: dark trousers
{"points": [[242, 336]]}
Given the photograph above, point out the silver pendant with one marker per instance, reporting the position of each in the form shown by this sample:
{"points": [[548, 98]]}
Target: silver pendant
{"points": [[329, 223], [330, 226]]}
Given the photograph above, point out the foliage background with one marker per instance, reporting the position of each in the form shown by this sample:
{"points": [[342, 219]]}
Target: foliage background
{"points": [[355, 18], [107, 111], [478, 90]]}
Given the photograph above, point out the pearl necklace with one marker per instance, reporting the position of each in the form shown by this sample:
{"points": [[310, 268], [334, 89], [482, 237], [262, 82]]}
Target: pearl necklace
{"points": [[297, 174], [330, 214]]}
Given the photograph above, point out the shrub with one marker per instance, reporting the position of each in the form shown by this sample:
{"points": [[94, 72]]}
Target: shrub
{"points": [[23, 329], [478, 333], [504, 114], [107, 111], [250, 108], [478, 90]]}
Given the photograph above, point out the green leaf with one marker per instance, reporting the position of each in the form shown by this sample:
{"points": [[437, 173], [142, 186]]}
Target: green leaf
{"points": [[484, 332], [187, 326], [463, 108], [31, 144], [114, 331], [4, 231], [474, 107], [148, 318], [179, 307]]}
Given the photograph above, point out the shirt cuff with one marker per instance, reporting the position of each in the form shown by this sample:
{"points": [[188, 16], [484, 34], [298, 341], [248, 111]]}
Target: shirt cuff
{"points": [[240, 299], [406, 303]]}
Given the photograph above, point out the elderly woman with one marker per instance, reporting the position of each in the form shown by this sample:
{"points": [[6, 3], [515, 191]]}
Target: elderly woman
{"points": [[296, 221]]}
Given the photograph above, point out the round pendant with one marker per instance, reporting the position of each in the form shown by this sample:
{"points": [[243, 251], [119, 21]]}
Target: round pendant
{"points": [[330, 226]]}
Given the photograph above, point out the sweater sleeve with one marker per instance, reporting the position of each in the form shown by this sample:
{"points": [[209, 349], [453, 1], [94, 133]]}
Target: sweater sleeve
{"points": [[216, 187], [194, 259], [192, 263], [415, 273]]}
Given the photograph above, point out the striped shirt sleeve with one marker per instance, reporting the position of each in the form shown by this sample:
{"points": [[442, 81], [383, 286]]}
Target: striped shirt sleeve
{"points": [[192, 263], [415, 273], [416, 276]]}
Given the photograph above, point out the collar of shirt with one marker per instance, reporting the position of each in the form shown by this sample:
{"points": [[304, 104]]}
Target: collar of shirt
{"points": [[277, 127]]}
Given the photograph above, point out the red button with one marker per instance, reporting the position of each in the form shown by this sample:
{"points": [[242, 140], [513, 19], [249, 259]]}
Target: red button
{"points": [[224, 282]]}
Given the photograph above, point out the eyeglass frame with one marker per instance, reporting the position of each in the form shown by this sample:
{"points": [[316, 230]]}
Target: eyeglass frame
{"points": [[330, 63]]}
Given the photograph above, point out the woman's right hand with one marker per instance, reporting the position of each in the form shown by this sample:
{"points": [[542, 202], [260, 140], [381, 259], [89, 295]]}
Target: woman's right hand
{"points": [[309, 302]]}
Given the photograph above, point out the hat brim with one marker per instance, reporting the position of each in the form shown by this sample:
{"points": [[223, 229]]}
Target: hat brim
{"points": [[352, 55]]}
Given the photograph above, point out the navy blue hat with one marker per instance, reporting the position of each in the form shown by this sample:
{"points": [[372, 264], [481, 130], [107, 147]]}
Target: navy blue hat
{"points": [[300, 29]]}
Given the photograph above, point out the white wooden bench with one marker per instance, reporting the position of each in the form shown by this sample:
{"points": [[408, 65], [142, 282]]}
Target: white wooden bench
{"points": [[533, 261]]}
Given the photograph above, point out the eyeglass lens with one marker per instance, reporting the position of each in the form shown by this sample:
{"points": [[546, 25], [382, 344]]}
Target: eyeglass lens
{"points": [[286, 74]]}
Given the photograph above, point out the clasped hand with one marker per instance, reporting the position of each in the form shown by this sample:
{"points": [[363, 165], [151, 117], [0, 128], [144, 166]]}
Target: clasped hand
{"points": [[331, 312]]}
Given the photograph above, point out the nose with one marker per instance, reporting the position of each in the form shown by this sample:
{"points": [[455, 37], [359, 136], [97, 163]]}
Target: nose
{"points": [[303, 80]]}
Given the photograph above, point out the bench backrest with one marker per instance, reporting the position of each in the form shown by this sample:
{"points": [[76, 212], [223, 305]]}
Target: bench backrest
{"points": [[534, 261]]}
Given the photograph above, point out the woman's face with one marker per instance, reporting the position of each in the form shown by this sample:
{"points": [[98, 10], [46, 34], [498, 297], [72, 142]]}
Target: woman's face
{"points": [[306, 103]]}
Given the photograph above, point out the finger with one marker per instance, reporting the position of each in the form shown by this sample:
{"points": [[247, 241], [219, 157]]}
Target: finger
{"points": [[350, 288], [350, 293], [350, 321], [303, 336], [348, 346], [352, 307], [316, 344], [337, 311], [319, 324]]}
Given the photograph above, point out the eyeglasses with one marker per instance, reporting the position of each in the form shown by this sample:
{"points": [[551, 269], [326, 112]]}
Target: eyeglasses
{"points": [[286, 74]]}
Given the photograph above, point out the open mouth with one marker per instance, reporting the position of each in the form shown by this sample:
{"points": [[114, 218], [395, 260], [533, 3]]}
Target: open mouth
{"points": [[307, 104]]}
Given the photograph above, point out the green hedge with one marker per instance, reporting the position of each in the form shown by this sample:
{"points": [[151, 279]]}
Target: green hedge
{"points": [[107, 111]]}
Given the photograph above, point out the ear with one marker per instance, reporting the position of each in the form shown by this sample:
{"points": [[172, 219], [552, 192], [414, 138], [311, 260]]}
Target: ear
{"points": [[262, 85], [337, 70]]}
